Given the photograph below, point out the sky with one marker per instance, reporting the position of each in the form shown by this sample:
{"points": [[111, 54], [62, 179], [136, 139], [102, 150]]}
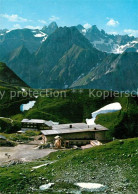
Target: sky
{"points": [[114, 16]]}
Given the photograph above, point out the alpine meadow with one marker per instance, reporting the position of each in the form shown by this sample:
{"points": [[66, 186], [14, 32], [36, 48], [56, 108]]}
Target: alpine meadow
{"points": [[68, 96]]}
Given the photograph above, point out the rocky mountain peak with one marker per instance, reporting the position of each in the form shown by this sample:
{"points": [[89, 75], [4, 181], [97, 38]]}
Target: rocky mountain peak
{"points": [[80, 27], [44, 29], [53, 25], [50, 29]]}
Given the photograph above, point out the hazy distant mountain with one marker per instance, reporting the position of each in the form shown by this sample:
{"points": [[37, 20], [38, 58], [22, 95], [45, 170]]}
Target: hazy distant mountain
{"points": [[67, 58], [2, 33], [16, 38], [8, 76], [107, 42], [31, 39], [50, 29]]}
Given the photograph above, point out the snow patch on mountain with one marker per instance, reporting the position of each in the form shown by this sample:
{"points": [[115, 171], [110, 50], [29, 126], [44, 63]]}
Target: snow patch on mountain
{"points": [[84, 31], [8, 31], [40, 34], [27, 106], [80, 76], [120, 49], [102, 41], [44, 38], [108, 71], [113, 107]]}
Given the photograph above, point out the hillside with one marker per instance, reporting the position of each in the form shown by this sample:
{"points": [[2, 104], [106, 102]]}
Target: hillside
{"points": [[113, 165], [60, 56], [116, 72], [12, 94], [8, 76], [72, 106], [76, 106], [21, 62]]}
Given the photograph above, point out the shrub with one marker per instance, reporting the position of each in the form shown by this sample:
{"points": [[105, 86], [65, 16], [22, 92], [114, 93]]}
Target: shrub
{"points": [[32, 133], [7, 143]]}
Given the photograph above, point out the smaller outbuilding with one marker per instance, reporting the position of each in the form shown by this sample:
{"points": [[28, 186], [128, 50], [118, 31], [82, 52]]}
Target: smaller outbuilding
{"points": [[36, 124]]}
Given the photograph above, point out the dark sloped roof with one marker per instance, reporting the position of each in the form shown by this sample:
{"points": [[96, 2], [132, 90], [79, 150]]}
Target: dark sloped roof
{"points": [[58, 131], [40, 121]]}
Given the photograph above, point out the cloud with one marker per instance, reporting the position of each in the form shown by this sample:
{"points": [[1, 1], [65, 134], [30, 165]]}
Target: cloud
{"points": [[86, 26], [131, 32], [14, 18], [112, 22], [16, 26], [33, 27], [54, 18], [42, 21], [114, 33]]}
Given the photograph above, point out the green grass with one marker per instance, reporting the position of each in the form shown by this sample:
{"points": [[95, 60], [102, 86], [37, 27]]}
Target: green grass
{"points": [[7, 125], [23, 137], [124, 123], [113, 164], [10, 106], [75, 107], [7, 143]]}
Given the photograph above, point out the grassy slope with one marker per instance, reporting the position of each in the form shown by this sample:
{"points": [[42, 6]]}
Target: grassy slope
{"points": [[114, 164], [76, 107], [10, 107], [10, 83], [24, 137], [8, 76], [124, 123]]}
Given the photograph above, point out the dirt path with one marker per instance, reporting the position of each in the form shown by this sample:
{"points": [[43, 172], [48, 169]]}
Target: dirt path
{"points": [[22, 152]]}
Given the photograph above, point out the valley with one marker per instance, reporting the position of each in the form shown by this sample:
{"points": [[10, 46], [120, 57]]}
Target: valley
{"points": [[68, 97], [20, 153]]}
